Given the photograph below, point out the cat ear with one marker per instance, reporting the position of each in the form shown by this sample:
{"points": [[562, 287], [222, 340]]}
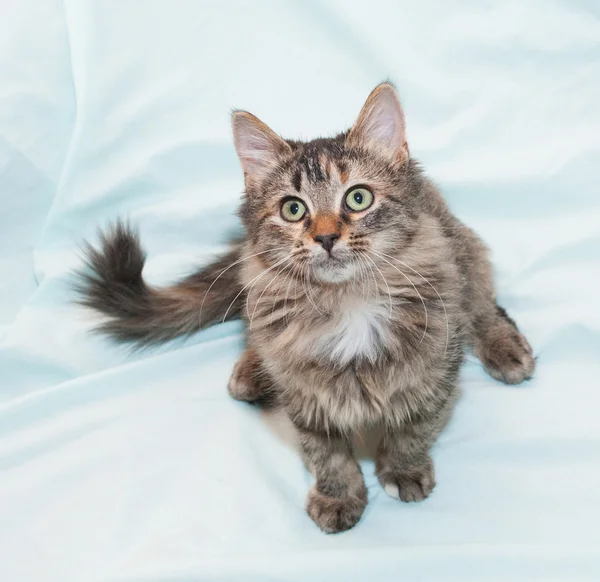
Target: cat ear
{"points": [[380, 124], [258, 147]]}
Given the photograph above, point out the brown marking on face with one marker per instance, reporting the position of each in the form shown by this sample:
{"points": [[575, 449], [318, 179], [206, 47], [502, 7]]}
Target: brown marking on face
{"points": [[343, 171], [262, 216], [324, 224], [326, 165]]}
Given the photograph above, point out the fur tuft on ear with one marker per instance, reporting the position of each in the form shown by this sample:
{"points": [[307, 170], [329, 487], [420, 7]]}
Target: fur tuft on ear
{"points": [[258, 147], [380, 124]]}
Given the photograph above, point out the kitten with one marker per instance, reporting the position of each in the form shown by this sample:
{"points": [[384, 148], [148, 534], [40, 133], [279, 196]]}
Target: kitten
{"points": [[359, 290]]}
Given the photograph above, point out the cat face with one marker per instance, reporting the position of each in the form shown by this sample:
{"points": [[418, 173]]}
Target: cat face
{"points": [[325, 208]]}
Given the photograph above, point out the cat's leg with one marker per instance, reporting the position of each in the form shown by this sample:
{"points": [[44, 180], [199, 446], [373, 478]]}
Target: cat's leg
{"points": [[502, 348], [403, 464], [248, 382], [497, 342], [339, 496]]}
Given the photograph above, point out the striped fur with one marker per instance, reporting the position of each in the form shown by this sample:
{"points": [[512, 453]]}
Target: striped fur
{"points": [[369, 331]]}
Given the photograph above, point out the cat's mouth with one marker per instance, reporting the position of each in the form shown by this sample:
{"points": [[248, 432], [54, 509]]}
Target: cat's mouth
{"points": [[332, 269]]}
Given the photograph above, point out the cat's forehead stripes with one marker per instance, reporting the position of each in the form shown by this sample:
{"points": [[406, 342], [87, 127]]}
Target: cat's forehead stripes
{"points": [[317, 162], [297, 178], [325, 162], [310, 164]]}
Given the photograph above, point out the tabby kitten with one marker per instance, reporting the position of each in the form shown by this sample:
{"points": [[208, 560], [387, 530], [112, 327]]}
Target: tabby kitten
{"points": [[359, 290]]}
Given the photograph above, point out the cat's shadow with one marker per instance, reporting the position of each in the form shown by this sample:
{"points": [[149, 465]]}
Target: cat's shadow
{"points": [[365, 443]]}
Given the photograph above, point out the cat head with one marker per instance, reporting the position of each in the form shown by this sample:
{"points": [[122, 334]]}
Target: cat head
{"points": [[327, 206]]}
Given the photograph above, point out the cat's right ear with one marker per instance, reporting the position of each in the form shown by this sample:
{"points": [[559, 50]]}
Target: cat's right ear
{"points": [[258, 147]]}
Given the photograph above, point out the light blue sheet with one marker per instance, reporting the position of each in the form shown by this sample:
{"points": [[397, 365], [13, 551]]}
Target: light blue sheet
{"points": [[127, 468]]}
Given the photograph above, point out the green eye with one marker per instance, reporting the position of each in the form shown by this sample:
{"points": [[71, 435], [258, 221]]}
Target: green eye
{"points": [[293, 210], [359, 199]]}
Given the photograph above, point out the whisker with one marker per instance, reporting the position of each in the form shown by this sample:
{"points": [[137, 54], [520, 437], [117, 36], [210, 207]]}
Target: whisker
{"points": [[362, 277], [245, 258], [307, 289], [251, 283], [264, 290], [372, 274], [286, 279], [296, 281], [287, 292], [310, 287], [413, 286], [436, 292], [384, 280], [289, 259]]}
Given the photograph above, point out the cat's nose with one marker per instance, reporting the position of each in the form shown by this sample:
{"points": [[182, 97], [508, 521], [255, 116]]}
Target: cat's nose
{"points": [[327, 240]]}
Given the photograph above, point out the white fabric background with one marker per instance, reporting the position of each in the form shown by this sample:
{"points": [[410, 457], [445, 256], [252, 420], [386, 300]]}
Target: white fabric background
{"points": [[126, 468]]}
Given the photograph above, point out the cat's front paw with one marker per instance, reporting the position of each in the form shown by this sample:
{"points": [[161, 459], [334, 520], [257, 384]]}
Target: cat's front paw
{"points": [[409, 485], [332, 514], [243, 384], [506, 354]]}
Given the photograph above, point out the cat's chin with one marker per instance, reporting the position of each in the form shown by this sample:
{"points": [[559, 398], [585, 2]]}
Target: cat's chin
{"points": [[333, 273]]}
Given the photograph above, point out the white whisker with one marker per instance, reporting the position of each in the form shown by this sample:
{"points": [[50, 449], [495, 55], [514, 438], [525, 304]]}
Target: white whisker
{"points": [[251, 283], [363, 276], [384, 280], [373, 277], [287, 291], [436, 292], [286, 279], [413, 286], [263, 292], [306, 289], [245, 258]]}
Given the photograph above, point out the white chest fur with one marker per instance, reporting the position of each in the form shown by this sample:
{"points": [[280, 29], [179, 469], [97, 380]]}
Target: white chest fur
{"points": [[355, 332]]}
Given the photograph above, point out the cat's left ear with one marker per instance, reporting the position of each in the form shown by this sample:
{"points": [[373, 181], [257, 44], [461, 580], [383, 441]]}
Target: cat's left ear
{"points": [[380, 124]]}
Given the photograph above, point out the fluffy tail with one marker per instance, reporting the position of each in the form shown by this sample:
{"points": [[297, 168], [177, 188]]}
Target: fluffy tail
{"points": [[141, 315]]}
